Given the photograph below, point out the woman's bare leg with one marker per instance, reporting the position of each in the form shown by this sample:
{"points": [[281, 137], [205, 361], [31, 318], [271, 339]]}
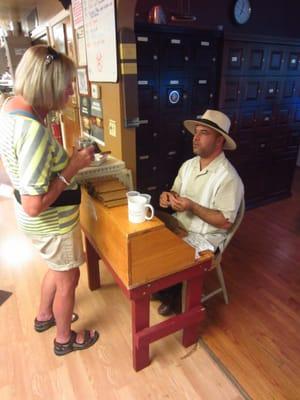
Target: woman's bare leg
{"points": [[64, 299], [48, 290]]}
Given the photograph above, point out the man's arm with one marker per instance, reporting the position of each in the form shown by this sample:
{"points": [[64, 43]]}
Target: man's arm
{"points": [[212, 217], [164, 199]]}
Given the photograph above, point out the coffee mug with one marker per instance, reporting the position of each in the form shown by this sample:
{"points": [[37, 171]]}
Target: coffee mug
{"points": [[132, 193], [147, 197], [137, 209]]}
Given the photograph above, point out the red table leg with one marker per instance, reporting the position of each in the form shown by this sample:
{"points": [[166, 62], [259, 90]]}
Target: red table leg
{"points": [[193, 298], [92, 260], [140, 320]]}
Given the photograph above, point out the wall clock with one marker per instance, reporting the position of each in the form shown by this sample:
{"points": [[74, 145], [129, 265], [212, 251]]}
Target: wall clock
{"points": [[242, 11]]}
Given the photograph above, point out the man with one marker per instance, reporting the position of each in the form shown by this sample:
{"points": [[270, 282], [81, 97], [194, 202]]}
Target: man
{"points": [[206, 194]]}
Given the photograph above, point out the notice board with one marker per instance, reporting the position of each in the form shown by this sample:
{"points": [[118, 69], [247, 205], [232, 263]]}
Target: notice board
{"points": [[100, 36]]}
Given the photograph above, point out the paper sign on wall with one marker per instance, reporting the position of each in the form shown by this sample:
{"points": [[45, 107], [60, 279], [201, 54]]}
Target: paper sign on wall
{"points": [[112, 128], [77, 13], [100, 37]]}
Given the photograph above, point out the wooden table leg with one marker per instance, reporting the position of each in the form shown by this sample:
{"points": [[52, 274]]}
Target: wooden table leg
{"points": [[92, 260], [193, 299], [140, 320]]}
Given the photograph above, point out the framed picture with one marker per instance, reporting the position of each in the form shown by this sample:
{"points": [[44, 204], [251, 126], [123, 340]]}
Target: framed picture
{"points": [[81, 50], [95, 91], [82, 80], [59, 37]]}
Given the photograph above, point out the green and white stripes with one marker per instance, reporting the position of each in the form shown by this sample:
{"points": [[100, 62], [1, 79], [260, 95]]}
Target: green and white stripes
{"points": [[32, 158]]}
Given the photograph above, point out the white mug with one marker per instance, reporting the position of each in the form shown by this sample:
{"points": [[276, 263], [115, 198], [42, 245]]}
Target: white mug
{"points": [[132, 193], [147, 197], [137, 209]]}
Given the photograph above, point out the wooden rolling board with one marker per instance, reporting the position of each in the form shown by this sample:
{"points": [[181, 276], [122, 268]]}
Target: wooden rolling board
{"points": [[108, 185], [115, 203], [114, 195]]}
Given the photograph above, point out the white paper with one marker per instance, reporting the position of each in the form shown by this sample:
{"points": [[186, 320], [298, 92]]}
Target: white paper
{"points": [[199, 243], [100, 38]]}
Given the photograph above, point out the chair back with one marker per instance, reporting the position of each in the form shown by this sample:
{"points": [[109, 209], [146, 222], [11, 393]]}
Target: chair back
{"points": [[236, 224]]}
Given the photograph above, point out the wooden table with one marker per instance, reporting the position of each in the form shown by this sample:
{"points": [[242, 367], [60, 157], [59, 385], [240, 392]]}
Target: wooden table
{"points": [[144, 258]]}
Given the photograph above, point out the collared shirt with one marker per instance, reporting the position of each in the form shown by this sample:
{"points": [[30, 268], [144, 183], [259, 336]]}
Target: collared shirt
{"points": [[217, 186]]}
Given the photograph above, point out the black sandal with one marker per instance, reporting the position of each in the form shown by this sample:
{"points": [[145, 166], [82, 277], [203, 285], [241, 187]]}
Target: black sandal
{"points": [[42, 326], [61, 349]]}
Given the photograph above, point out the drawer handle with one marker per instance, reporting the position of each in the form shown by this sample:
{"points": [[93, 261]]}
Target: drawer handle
{"points": [[151, 188], [262, 145], [143, 121], [144, 158], [171, 153]]}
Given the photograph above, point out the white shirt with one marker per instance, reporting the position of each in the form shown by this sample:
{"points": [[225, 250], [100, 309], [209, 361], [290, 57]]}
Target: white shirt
{"points": [[218, 187]]}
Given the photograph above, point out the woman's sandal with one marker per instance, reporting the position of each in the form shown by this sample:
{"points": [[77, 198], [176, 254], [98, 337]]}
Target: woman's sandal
{"points": [[42, 326], [61, 349]]}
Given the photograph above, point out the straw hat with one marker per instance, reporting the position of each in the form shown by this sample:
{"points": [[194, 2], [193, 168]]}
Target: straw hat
{"points": [[217, 121]]}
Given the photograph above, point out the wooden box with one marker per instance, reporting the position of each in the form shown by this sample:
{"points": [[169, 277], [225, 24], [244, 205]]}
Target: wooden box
{"points": [[138, 253]]}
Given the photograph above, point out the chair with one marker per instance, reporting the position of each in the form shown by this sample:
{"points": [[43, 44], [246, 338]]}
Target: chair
{"points": [[218, 257]]}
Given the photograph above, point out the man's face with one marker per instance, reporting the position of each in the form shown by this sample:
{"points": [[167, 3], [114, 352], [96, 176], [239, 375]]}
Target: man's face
{"points": [[206, 141]]}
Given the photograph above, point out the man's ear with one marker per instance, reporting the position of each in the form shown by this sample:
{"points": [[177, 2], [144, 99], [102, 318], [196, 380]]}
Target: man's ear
{"points": [[221, 140]]}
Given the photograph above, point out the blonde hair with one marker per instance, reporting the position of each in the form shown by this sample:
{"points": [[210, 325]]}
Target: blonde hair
{"points": [[42, 78]]}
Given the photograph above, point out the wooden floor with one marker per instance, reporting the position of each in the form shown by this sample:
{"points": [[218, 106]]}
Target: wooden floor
{"points": [[257, 335], [29, 370]]}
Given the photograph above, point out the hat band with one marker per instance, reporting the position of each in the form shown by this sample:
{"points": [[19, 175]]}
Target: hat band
{"points": [[212, 124]]}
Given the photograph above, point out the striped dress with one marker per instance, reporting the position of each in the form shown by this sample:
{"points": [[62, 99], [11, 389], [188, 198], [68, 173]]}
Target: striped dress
{"points": [[32, 158]]}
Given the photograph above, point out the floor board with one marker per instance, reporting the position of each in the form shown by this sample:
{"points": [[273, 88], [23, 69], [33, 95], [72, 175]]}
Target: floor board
{"points": [[29, 370], [256, 335]]}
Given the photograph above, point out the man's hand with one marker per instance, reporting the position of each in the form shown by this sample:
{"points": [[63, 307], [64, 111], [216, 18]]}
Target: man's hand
{"points": [[165, 199], [181, 203]]}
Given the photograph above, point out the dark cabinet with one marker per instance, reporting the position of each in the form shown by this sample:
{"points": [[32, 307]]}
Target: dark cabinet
{"points": [[260, 92], [177, 80]]}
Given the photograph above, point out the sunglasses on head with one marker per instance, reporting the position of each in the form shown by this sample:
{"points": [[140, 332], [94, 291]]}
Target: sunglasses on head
{"points": [[51, 56]]}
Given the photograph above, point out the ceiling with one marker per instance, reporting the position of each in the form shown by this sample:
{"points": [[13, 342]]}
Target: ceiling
{"points": [[13, 10]]}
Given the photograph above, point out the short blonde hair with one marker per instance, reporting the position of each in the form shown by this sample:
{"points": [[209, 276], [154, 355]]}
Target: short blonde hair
{"points": [[41, 80]]}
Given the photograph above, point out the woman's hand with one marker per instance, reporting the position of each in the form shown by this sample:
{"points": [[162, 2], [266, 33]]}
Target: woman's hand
{"points": [[82, 158]]}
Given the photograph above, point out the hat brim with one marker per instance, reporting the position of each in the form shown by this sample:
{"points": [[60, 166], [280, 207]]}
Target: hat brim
{"points": [[190, 126]]}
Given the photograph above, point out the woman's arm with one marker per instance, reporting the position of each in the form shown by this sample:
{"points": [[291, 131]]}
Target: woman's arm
{"points": [[34, 205]]}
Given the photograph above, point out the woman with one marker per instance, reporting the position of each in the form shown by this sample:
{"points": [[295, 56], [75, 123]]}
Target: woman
{"points": [[47, 198]]}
